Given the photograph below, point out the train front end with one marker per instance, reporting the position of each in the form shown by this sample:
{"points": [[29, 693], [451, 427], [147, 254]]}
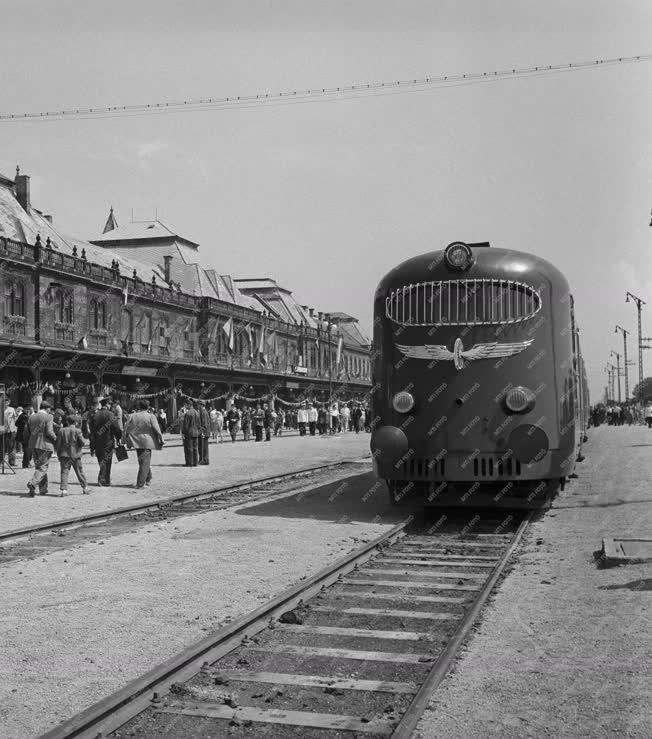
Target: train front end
{"points": [[474, 384]]}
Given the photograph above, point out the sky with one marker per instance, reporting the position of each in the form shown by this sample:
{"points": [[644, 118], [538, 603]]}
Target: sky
{"points": [[327, 197]]}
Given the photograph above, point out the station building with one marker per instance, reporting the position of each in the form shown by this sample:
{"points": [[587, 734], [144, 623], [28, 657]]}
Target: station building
{"points": [[133, 312]]}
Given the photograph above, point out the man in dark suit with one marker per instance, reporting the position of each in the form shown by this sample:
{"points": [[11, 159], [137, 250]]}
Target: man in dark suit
{"points": [[204, 432], [190, 429], [104, 431], [41, 445]]}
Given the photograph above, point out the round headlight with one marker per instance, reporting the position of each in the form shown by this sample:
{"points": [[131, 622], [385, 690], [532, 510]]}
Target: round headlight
{"points": [[519, 400], [403, 402], [458, 256]]}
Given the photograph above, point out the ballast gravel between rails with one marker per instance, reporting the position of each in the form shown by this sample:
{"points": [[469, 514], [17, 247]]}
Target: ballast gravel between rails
{"points": [[162, 503], [112, 712], [410, 719]]}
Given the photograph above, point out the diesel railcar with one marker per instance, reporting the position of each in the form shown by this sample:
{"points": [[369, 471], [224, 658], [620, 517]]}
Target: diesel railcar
{"points": [[479, 390]]}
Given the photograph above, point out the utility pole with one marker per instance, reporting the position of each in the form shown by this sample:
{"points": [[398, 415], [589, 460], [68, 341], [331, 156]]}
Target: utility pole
{"points": [[626, 371], [639, 302], [615, 354]]}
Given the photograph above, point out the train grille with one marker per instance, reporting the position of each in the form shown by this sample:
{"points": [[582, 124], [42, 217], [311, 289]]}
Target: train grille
{"points": [[489, 467], [462, 303], [420, 468]]}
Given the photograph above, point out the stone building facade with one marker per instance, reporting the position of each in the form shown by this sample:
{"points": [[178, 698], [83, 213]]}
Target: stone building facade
{"points": [[133, 312]]}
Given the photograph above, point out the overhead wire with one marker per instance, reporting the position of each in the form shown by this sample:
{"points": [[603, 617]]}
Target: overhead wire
{"points": [[317, 94]]}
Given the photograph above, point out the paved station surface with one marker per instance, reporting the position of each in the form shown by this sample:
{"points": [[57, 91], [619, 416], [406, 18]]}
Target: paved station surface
{"points": [[78, 624], [565, 648], [229, 464]]}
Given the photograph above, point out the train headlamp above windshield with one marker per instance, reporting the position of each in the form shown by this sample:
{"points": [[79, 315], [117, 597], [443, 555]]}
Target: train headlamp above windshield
{"points": [[520, 400], [403, 402], [458, 256]]}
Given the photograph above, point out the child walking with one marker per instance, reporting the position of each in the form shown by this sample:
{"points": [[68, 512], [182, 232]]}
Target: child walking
{"points": [[69, 450]]}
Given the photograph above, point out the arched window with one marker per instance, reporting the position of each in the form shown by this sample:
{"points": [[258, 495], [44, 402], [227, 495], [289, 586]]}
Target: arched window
{"points": [[64, 307], [15, 299]]}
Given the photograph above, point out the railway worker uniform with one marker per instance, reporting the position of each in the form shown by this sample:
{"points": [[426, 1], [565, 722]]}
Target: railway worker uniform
{"points": [[648, 415], [41, 445], [190, 431], [10, 434], [302, 418], [204, 432], [104, 432], [143, 434], [312, 419]]}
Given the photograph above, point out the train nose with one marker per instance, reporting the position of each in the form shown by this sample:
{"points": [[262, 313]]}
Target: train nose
{"points": [[389, 443]]}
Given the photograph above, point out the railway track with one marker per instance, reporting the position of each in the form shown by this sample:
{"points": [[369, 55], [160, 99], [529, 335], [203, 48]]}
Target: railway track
{"points": [[355, 650], [32, 541]]}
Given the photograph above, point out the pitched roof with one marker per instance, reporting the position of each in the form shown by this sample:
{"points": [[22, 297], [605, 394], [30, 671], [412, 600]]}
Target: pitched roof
{"points": [[141, 230]]}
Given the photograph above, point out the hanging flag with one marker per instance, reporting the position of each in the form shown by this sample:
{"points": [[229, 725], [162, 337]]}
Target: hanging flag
{"points": [[228, 330], [338, 355], [125, 293], [262, 354], [83, 342], [249, 331]]}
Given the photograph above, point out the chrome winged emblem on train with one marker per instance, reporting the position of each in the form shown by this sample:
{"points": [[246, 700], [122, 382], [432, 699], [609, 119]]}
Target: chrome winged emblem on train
{"points": [[461, 356]]}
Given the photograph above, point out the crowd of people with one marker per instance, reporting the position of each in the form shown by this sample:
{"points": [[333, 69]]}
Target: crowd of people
{"points": [[615, 414], [107, 430]]}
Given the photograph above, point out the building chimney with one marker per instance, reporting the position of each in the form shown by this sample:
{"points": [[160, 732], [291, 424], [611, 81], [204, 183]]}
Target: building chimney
{"points": [[167, 259], [22, 190], [320, 315], [312, 312], [47, 217]]}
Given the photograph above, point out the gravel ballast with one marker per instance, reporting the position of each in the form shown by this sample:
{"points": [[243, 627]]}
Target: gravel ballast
{"points": [[564, 648], [78, 624]]}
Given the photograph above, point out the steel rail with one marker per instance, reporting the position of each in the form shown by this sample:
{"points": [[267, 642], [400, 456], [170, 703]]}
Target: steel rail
{"points": [[112, 712], [158, 504], [442, 665]]}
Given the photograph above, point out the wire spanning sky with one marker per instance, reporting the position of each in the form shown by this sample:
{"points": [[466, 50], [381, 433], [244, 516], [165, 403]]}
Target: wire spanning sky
{"points": [[327, 197]]}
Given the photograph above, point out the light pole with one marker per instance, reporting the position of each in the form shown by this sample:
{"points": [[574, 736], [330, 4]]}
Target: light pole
{"points": [[639, 302], [610, 372], [626, 363], [615, 354]]}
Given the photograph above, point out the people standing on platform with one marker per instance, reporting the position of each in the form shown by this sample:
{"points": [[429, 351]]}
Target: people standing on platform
{"points": [[69, 445], [335, 418], [280, 422], [10, 434], [647, 414], [204, 432], [322, 420], [117, 411], [302, 417], [245, 423], [345, 416], [312, 419], [143, 434], [162, 419], [104, 432], [86, 422], [190, 432], [259, 422], [268, 421], [214, 415], [233, 422], [21, 425], [41, 445]]}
